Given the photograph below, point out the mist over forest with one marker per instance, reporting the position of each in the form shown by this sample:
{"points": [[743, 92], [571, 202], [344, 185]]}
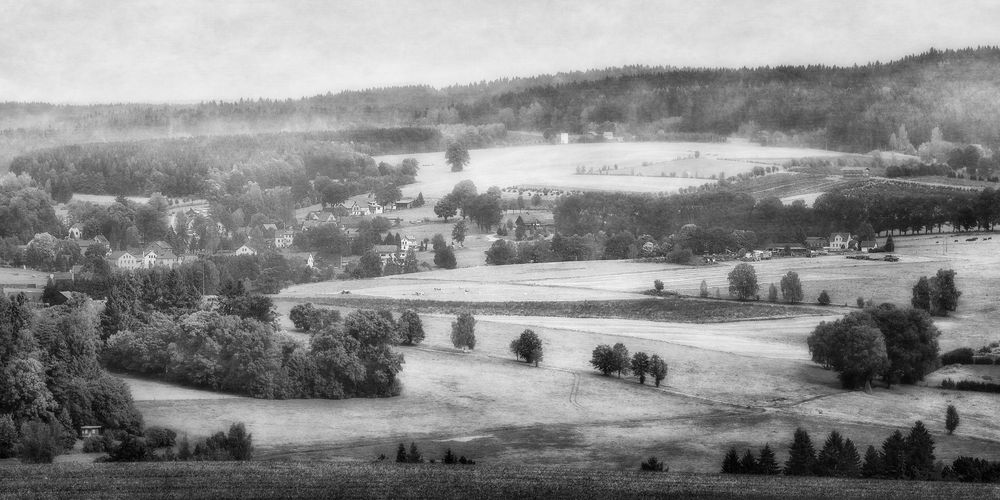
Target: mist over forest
{"points": [[854, 109]]}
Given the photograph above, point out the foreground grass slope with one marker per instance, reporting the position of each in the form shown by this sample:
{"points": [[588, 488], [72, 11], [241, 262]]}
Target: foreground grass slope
{"points": [[388, 480]]}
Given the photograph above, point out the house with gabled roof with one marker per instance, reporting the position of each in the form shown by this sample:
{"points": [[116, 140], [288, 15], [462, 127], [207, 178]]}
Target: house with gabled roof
{"points": [[245, 250], [840, 241], [76, 231], [124, 259]]}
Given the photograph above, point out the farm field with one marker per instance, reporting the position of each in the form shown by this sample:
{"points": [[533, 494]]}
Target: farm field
{"points": [[18, 276], [738, 383], [382, 480], [555, 166]]}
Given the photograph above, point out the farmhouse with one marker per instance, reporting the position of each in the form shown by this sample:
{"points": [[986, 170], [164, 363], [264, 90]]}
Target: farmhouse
{"points": [[867, 245], [406, 243], [284, 238], [245, 250], [840, 241], [817, 242], [123, 259], [355, 210], [375, 208], [404, 204], [87, 431], [76, 231], [386, 252]]}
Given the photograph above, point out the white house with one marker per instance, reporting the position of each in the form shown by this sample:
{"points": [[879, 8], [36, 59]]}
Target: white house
{"points": [[245, 250], [563, 138], [284, 238], [76, 231], [149, 259], [406, 243], [124, 260], [356, 210], [840, 241], [375, 208], [310, 263]]}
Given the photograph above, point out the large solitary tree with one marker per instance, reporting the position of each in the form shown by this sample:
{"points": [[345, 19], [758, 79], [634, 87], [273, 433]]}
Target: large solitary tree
{"points": [[743, 281], [457, 156], [527, 347]]}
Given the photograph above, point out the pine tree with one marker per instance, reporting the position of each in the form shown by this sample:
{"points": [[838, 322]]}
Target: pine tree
{"points": [[703, 291], [401, 453], [873, 463], [413, 456], [894, 456], [748, 464], [850, 460], [772, 293], [801, 456], [919, 452], [731, 464], [951, 419], [767, 464], [828, 461], [449, 457]]}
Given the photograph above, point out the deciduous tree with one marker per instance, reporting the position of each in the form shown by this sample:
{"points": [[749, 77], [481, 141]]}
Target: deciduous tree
{"points": [[743, 281]]}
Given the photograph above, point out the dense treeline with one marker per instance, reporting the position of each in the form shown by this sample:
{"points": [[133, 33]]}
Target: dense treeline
{"points": [[214, 165], [851, 108], [51, 383], [156, 324], [874, 207]]}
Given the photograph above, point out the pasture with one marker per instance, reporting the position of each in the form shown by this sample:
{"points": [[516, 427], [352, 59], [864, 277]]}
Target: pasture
{"points": [[555, 166], [742, 383]]}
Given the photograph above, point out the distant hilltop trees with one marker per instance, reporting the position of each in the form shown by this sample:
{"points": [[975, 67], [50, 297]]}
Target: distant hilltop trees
{"points": [[858, 108]]}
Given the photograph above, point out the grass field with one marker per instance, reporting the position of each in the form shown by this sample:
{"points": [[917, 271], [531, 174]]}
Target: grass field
{"points": [[389, 480], [555, 166], [18, 276]]}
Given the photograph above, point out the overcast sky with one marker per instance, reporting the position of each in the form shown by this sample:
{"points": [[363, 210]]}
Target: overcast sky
{"points": [[190, 50]]}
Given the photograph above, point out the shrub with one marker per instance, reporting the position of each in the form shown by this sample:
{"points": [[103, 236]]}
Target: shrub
{"points": [[131, 449], [449, 457], [8, 436], [971, 385], [960, 356], [658, 285], [824, 298], [652, 464], [39, 442], [947, 384], [703, 290], [98, 444], [159, 437], [861, 303], [679, 256]]}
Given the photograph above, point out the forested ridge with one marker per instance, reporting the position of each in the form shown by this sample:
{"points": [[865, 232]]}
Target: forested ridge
{"points": [[849, 108]]}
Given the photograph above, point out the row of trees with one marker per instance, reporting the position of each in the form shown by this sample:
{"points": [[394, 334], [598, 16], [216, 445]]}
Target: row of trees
{"points": [[900, 457], [681, 220], [615, 359]]}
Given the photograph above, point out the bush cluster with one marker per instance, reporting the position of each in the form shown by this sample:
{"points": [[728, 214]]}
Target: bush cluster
{"points": [[960, 356]]}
